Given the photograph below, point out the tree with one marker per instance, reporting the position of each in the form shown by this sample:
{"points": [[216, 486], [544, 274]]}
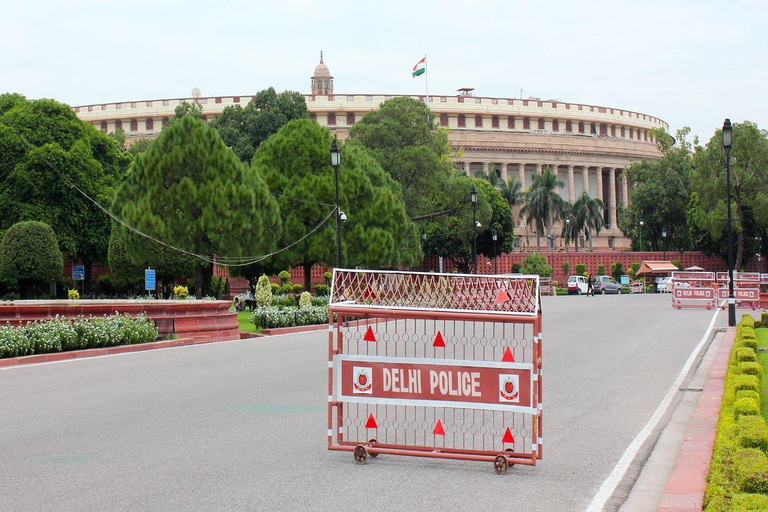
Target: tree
{"points": [[189, 190], [139, 146], [749, 182], [38, 177], [244, 129], [659, 197], [296, 164], [402, 137], [536, 264], [30, 254], [588, 216], [543, 205]]}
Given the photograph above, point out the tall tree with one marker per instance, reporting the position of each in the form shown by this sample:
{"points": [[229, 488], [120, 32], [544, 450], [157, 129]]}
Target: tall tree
{"points": [[543, 205], [244, 129], [45, 152], [296, 164], [749, 182], [403, 138], [29, 253], [189, 190], [588, 215]]}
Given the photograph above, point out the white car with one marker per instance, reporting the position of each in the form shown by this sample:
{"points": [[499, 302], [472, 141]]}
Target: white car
{"points": [[577, 285], [666, 285]]}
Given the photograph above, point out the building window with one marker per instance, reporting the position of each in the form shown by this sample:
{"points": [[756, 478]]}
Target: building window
{"points": [[525, 103], [511, 123], [613, 131], [567, 106], [495, 122], [236, 99], [331, 119], [369, 98], [133, 104], [313, 116], [539, 104], [331, 97], [510, 102], [134, 125], [77, 109], [478, 121], [350, 98], [165, 122], [526, 123], [645, 136], [623, 133], [581, 127], [494, 101], [443, 99], [462, 120], [118, 125], [461, 99], [218, 100], [555, 125], [166, 103], [104, 126], [90, 109], [554, 104], [149, 103], [569, 127], [118, 106], [603, 130], [350, 118], [631, 133], [443, 119], [541, 124], [150, 124], [478, 100]]}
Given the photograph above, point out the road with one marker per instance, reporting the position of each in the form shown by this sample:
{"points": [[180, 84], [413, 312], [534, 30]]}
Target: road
{"points": [[242, 425]]}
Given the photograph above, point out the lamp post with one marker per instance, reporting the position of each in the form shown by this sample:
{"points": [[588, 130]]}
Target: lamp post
{"points": [[664, 241], [641, 235], [495, 237], [727, 142], [473, 198], [335, 161]]}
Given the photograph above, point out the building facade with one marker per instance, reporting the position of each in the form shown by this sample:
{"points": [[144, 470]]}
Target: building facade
{"points": [[589, 147]]}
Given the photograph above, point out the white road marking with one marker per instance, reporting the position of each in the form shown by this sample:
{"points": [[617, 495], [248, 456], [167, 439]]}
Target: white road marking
{"points": [[609, 485]]}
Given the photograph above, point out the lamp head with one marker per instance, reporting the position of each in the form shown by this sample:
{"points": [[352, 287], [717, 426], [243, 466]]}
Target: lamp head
{"points": [[727, 134], [335, 154], [473, 194]]}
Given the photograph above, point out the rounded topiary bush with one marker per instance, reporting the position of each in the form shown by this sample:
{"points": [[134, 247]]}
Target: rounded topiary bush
{"points": [[748, 393], [263, 295], [284, 276], [748, 343], [753, 432], [746, 407], [745, 354], [751, 368], [746, 382], [30, 254]]}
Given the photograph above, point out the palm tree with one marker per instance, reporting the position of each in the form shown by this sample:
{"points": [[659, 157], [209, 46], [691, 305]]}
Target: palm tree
{"points": [[569, 225], [589, 215], [542, 204]]}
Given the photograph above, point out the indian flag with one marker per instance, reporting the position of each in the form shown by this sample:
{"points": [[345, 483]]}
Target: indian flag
{"points": [[420, 67]]}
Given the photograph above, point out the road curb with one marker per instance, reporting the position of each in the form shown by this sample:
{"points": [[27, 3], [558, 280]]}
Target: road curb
{"points": [[687, 483]]}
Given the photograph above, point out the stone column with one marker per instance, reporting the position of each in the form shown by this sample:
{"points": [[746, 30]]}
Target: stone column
{"points": [[600, 183], [624, 188], [521, 175], [538, 169], [571, 194], [505, 172], [585, 178], [612, 196]]}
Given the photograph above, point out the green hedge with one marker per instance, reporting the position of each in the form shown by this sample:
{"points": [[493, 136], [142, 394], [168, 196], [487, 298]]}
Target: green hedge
{"points": [[61, 334], [746, 382], [751, 368], [753, 432], [745, 354], [750, 502], [746, 407]]}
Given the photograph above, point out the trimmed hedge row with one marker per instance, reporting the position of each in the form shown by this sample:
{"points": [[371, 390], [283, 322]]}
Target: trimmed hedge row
{"points": [[271, 317], [61, 334], [738, 475]]}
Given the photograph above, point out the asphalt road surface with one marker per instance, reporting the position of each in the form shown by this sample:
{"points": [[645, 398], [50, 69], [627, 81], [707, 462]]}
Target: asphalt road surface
{"points": [[242, 425]]}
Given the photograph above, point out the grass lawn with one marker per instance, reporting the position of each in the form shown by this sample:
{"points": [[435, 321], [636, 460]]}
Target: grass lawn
{"points": [[762, 358], [244, 319]]}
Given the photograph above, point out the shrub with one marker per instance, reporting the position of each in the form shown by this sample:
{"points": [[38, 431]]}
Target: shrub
{"points": [[601, 270], [617, 269], [284, 276], [321, 289], [678, 264], [30, 254], [747, 320], [286, 288], [566, 268], [746, 502], [747, 343], [297, 289], [180, 292], [536, 264], [321, 300], [753, 432], [746, 407], [562, 291], [328, 276], [516, 268], [275, 288], [745, 354], [751, 468], [580, 269], [263, 295], [284, 301], [751, 368], [764, 319], [746, 382], [276, 317], [633, 268], [14, 342], [748, 393], [73, 294], [305, 300]]}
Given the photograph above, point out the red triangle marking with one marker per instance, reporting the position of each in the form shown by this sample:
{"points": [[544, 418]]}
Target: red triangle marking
{"points": [[369, 336], [439, 341], [508, 357], [439, 430], [502, 297], [371, 423], [508, 437], [368, 293]]}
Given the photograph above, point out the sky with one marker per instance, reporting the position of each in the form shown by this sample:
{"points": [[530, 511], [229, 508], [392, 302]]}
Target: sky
{"points": [[690, 63]]}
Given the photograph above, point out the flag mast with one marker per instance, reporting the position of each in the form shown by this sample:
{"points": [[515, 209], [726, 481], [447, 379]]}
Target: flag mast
{"points": [[426, 78]]}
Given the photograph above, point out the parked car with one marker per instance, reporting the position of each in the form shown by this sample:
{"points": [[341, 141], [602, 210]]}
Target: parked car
{"points": [[577, 285], [606, 284], [665, 285]]}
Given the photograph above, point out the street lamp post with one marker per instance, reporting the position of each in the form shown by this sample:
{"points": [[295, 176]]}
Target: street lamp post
{"points": [[641, 235], [335, 161], [664, 241], [473, 198], [495, 237], [567, 233], [727, 142]]}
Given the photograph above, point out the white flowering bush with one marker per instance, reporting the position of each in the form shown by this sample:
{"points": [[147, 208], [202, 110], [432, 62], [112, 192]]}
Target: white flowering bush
{"points": [[273, 317], [305, 300], [61, 334], [263, 294]]}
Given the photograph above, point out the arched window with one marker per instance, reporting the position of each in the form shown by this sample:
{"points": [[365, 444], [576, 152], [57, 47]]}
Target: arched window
{"points": [[495, 122], [541, 124], [350, 118], [478, 121], [150, 124], [462, 121], [134, 125], [443, 119], [569, 127], [555, 125], [118, 125], [526, 123], [511, 123], [331, 119], [581, 127], [104, 126]]}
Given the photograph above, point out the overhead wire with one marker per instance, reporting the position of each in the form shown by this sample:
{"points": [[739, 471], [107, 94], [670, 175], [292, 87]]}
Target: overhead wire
{"points": [[221, 261]]}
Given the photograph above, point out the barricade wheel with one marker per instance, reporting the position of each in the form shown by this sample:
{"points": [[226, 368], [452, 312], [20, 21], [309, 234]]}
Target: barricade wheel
{"points": [[500, 465], [511, 450], [360, 454], [373, 441]]}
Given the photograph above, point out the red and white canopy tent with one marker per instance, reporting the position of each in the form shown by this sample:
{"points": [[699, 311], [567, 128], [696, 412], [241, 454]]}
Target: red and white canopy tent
{"points": [[656, 268]]}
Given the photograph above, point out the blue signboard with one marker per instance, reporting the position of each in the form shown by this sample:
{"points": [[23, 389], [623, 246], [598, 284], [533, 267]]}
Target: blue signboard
{"points": [[149, 279], [78, 273], [624, 280]]}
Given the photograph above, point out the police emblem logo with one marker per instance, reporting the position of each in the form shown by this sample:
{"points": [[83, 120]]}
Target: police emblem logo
{"points": [[509, 388], [362, 380]]}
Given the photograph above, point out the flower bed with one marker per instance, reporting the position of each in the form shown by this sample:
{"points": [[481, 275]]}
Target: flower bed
{"points": [[271, 317], [61, 334]]}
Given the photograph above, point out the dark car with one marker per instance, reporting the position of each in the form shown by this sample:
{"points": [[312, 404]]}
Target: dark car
{"points": [[606, 284]]}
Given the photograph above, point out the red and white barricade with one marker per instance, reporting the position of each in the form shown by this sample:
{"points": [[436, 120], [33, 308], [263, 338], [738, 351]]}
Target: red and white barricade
{"points": [[435, 365], [694, 290], [746, 289]]}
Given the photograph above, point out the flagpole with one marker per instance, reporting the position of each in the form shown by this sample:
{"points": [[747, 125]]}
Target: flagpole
{"points": [[426, 78]]}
